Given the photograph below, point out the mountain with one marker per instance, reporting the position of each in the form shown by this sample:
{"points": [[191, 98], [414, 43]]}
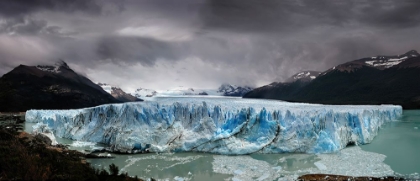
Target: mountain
{"points": [[144, 94], [233, 90], [223, 90], [49, 87], [118, 93], [372, 80], [185, 91]]}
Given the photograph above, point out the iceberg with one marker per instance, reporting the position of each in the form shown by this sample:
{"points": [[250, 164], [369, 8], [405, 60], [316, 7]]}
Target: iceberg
{"points": [[218, 125]]}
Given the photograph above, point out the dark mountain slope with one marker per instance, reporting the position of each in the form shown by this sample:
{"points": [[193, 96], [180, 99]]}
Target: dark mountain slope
{"points": [[49, 87], [284, 90], [281, 91], [365, 86]]}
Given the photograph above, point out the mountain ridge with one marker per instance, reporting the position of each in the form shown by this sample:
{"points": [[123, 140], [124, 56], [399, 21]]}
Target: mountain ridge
{"points": [[223, 90], [355, 82], [118, 93], [49, 87]]}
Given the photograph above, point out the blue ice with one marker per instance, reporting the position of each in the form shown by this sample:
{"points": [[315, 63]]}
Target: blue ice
{"points": [[217, 125]]}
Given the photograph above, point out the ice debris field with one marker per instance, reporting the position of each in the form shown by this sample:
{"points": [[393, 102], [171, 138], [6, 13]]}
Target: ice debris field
{"points": [[217, 125]]}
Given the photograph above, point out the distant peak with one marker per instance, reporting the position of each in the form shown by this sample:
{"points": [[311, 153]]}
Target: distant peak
{"points": [[54, 68], [102, 84], [412, 52], [226, 85], [383, 62], [61, 63]]}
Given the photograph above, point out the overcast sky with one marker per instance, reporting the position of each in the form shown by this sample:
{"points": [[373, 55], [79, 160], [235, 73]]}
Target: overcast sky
{"points": [[160, 44]]}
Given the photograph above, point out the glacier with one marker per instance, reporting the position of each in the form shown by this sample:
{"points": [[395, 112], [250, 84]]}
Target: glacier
{"points": [[218, 125]]}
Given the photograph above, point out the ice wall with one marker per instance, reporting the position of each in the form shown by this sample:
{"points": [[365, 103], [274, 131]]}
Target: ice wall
{"points": [[217, 125]]}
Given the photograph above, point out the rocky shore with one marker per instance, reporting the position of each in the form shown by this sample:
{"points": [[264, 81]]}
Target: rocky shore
{"points": [[33, 157]]}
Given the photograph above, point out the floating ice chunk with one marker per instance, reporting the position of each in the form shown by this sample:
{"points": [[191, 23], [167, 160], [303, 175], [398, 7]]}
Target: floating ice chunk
{"points": [[278, 168], [105, 155], [170, 159], [82, 144], [238, 172], [223, 126], [177, 178], [245, 165], [320, 166], [282, 159], [352, 161], [263, 177]]}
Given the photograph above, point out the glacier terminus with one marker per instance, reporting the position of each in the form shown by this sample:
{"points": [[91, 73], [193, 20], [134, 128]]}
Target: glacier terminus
{"points": [[231, 126]]}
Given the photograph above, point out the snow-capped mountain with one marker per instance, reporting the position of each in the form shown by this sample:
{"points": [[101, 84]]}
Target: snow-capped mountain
{"points": [[223, 90], [118, 93], [383, 62], [57, 67], [304, 76], [380, 62], [183, 91], [149, 94], [233, 90], [371, 80], [106, 87], [144, 94]]}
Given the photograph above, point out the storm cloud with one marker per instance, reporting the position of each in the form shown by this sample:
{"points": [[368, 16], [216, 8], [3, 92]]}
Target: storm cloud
{"points": [[161, 44], [13, 8]]}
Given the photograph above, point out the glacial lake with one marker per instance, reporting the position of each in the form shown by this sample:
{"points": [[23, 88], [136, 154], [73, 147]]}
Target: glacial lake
{"points": [[395, 149]]}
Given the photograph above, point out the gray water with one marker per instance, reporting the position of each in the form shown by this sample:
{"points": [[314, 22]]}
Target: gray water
{"points": [[202, 166], [398, 141]]}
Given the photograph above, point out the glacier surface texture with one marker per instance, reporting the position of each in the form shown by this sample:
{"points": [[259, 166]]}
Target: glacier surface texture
{"points": [[218, 125]]}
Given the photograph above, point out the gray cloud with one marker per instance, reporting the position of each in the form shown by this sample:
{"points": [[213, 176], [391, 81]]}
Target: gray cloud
{"points": [[137, 49], [28, 26], [291, 15], [13, 8], [203, 42]]}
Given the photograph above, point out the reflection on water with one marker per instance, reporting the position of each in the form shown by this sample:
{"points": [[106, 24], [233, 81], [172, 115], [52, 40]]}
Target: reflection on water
{"points": [[202, 166], [195, 166], [400, 142]]}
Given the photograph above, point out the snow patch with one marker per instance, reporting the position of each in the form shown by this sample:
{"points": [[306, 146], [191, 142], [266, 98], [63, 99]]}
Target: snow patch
{"points": [[53, 68], [384, 62]]}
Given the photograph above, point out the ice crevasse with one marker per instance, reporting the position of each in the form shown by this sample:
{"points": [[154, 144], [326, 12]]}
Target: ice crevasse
{"points": [[222, 126]]}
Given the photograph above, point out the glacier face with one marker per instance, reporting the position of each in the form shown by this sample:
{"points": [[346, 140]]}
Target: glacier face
{"points": [[219, 125]]}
